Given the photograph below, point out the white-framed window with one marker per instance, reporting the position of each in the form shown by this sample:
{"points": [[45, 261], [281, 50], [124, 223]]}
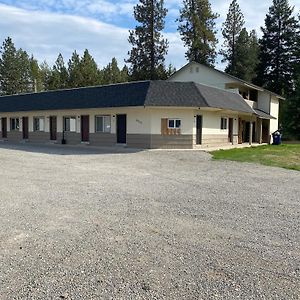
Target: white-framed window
{"points": [[102, 124], [70, 124], [174, 123], [14, 124], [38, 124], [223, 123]]}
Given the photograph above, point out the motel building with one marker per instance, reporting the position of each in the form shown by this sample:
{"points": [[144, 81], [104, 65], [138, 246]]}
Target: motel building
{"points": [[198, 107]]}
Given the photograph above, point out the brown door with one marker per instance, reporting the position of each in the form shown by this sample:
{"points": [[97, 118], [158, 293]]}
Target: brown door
{"points": [[4, 128], [25, 128], [230, 130], [53, 128], [85, 128], [199, 130]]}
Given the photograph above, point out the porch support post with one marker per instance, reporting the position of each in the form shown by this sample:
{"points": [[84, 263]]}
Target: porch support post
{"points": [[251, 132], [260, 131]]}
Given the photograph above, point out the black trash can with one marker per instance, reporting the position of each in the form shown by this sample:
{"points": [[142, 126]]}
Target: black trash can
{"points": [[276, 138]]}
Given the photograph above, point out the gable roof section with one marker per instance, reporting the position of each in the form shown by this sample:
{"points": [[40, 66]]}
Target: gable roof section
{"points": [[144, 93], [191, 94], [249, 84]]}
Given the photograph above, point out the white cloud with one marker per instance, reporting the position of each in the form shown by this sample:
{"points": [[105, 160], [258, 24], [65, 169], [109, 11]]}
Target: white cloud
{"points": [[47, 34], [47, 27]]}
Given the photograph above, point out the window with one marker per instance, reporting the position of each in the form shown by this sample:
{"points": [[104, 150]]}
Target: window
{"points": [[70, 124], [174, 123], [102, 124], [14, 124], [223, 123], [38, 124]]}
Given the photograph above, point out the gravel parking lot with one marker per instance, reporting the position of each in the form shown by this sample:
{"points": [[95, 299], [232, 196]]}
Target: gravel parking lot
{"points": [[80, 223]]}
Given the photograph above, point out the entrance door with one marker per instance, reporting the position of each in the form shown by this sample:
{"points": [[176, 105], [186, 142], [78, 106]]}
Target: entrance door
{"points": [[25, 128], [4, 128], [230, 130], [53, 128], [199, 130], [121, 129], [85, 128]]}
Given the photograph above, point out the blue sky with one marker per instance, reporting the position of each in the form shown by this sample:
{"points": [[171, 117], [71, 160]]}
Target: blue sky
{"points": [[48, 27]]}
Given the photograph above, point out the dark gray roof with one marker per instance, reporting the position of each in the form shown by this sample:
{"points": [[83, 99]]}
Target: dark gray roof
{"points": [[144, 93], [263, 115]]}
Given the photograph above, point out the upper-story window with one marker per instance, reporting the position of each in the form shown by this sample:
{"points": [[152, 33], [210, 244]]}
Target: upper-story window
{"points": [[14, 124]]}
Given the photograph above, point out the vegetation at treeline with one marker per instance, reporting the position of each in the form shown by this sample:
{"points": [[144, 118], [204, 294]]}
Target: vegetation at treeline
{"points": [[273, 61], [284, 156]]}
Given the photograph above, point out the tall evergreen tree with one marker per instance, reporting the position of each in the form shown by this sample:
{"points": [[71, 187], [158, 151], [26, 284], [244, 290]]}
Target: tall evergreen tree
{"points": [[9, 75], [148, 46], [25, 82], [197, 29], [278, 48], [88, 70], [291, 112], [74, 69], [232, 28], [45, 73], [36, 77], [59, 75], [247, 49], [112, 73]]}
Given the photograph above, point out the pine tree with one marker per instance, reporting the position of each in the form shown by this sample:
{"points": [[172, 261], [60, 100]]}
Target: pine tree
{"points": [[197, 29], [247, 49], [9, 75], [88, 70], [59, 75], [24, 83], [74, 70], [124, 74], [36, 78], [232, 28], [45, 73], [148, 46], [278, 48], [291, 112], [112, 73]]}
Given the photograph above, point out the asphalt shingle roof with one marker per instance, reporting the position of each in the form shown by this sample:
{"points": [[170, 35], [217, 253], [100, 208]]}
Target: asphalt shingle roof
{"points": [[144, 93]]}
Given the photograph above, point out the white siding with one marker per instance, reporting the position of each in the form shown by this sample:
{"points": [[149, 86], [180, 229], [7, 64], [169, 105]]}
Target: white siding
{"points": [[274, 112], [185, 115], [202, 74], [263, 102]]}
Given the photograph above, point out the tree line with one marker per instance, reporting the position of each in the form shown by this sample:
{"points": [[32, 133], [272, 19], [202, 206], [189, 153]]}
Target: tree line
{"points": [[273, 61], [21, 73]]}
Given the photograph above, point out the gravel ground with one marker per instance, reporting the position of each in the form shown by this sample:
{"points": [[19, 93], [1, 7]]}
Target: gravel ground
{"points": [[80, 223]]}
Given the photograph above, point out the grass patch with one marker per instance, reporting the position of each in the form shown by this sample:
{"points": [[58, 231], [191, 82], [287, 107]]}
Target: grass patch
{"points": [[284, 156]]}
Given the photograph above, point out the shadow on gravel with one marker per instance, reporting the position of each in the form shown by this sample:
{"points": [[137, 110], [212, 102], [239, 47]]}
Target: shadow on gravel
{"points": [[59, 149]]}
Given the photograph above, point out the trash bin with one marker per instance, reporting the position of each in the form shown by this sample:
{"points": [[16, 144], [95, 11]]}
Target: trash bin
{"points": [[276, 138]]}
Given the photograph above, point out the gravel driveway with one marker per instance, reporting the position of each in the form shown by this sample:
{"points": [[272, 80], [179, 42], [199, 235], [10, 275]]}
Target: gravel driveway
{"points": [[93, 224]]}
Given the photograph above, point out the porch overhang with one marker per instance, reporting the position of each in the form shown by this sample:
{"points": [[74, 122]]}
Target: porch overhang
{"points": [[263, 115]]}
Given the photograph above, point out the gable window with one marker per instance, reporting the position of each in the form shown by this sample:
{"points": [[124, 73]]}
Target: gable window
{"points": [[38, 124], [102, 124], [223, 123], [14, 124], [174, 123], [70, 124]]}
